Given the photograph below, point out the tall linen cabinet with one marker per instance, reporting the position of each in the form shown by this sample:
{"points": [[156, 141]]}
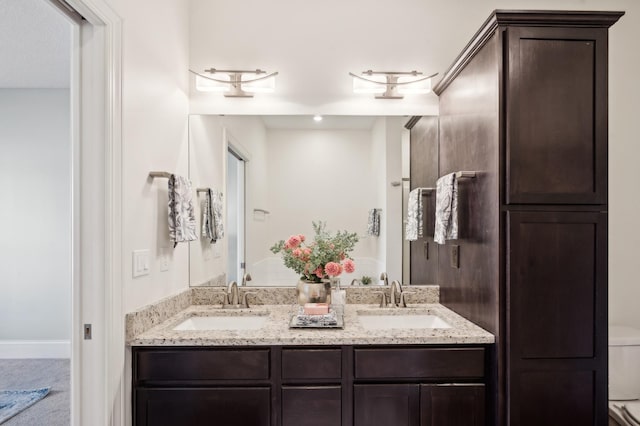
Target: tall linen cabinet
{"points": [[525, 106]]}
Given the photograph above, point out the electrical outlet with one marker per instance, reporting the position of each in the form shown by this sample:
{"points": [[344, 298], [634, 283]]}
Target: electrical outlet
{"points": [[217, 249], [455, 256], [164, 259]]}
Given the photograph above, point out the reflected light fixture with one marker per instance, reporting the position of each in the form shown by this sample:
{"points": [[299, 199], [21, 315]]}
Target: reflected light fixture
{"points": [[391, 84], [317, 118], [236, 83]]}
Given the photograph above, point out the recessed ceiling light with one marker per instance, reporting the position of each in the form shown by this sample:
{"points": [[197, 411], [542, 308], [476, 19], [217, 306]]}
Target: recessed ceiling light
{"points": [[317, 118]]}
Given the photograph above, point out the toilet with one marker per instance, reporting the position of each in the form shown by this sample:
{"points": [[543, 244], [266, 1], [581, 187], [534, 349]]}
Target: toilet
{"points": [[624, 375]]}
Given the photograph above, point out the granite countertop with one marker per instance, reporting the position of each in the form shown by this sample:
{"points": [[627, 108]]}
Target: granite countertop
{"points": [[276, 330]]}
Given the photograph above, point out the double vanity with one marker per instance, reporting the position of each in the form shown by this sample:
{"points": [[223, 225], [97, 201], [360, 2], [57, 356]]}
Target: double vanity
{"points": [[203, 364]]}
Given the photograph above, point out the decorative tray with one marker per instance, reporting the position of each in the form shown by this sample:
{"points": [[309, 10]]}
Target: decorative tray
{"points": [[334, 319]]}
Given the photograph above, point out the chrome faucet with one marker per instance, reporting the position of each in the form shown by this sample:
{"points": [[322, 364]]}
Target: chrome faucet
{"points": [[355, 281], [395, 293], [232, 295], [383, 277], [246, 277]]}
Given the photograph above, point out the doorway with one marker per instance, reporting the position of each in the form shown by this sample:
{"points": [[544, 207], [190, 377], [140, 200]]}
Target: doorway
{"points": [[235, 215], [36, 251], [97, 361]]}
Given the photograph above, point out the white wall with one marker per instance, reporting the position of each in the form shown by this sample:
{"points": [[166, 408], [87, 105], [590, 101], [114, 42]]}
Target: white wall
{"points": [[155, 137], [318, 175], [250, 137], [379, 163], [207, 154], [35, 248], [393, 218], [624, 150]]}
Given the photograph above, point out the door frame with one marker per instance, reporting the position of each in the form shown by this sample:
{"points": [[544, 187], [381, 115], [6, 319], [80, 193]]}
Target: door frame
{"points": [[232, 145], [97, 365]]}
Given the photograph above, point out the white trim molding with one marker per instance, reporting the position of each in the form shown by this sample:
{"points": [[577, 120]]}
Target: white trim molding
{"points": [[14, 349], [98, 364]]}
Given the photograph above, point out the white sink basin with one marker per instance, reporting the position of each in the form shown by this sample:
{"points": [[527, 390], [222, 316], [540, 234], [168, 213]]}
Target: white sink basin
{"points": [[372, 321], [222, 322]]}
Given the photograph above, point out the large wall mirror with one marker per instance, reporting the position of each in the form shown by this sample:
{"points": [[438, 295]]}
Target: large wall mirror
{"points": [[278, 174]]}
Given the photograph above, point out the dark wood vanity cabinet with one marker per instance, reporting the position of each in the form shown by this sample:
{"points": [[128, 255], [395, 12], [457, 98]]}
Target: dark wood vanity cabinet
{"points": [[423, 386], [419, 405], [525, 106], [423, 168], [310, 386]]}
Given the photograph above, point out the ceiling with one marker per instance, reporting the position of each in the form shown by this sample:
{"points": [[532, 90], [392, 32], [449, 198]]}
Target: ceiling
{"points": [[35, 45]]}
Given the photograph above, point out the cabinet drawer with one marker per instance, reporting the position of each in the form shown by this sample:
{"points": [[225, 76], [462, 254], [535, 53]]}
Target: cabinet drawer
{"points": [[417, 363], [197, 365], [311, 364], [204, 406]]}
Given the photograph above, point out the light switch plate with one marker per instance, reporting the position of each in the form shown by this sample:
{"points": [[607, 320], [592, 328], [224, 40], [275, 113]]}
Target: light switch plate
{"points": [[141, 263]]}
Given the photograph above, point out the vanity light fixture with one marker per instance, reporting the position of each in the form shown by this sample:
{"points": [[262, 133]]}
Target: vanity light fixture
{"points": [[391, 84], [317, 118], [236, 83]]}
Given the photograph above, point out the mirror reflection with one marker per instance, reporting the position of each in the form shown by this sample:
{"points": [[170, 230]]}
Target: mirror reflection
{"points": [[278, 174]]}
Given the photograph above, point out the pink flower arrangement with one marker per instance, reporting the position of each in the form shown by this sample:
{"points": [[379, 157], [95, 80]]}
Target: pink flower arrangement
{"points": [[349, 266], [325, 257]]}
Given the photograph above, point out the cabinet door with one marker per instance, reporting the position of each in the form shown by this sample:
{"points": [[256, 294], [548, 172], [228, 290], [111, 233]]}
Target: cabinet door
{"points": [[311, 406], [556, 116], [385, 405], [452, 405], [557, 318], [202, 407]]}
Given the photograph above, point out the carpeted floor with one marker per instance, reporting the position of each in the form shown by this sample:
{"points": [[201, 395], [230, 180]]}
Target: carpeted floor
{"points": [[55, 408]]}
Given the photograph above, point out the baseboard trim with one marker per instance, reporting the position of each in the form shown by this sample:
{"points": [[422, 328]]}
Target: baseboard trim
{"points": [[35, 349]]}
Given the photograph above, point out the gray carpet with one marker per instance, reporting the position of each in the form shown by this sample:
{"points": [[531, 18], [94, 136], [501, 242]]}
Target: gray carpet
{"points": [[55, 408]]}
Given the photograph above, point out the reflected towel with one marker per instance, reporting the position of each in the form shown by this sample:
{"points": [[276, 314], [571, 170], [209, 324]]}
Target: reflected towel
{"points": [[216, 208], [182, 219], [446, 209], [207, 216], [373, 224], [414, 224], [212, 227]]}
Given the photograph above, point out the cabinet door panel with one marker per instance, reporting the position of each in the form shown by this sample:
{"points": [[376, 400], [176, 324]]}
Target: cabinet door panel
{"points": [[557, 283], [557, 341], [556, 136], [555, 398], [452, 405], [311, 406], [203, 407], [385, 405]]}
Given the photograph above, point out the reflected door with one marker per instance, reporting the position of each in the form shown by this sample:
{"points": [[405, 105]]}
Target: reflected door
{"points": [[235, 216]]}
